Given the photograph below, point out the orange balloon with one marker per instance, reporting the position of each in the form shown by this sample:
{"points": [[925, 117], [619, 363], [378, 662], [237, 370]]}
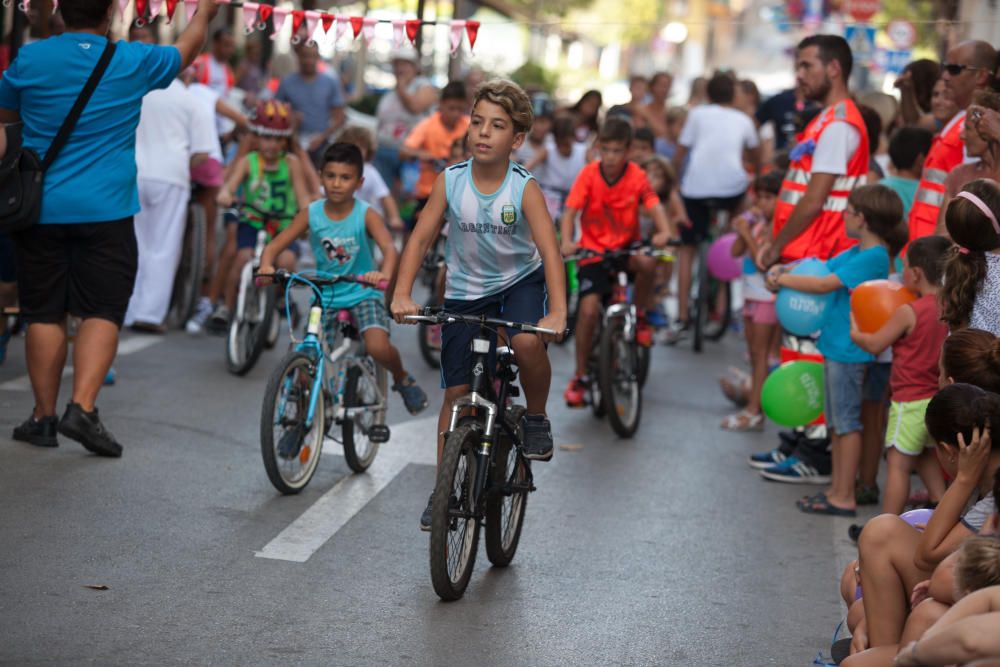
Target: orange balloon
{"points": [[874, 302]]}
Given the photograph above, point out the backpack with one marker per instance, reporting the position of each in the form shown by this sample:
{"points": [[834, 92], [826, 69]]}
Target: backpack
{"points": [[22, 173]]}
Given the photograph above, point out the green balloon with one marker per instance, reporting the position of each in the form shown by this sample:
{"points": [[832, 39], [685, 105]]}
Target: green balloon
{"points": [[793, 394]]}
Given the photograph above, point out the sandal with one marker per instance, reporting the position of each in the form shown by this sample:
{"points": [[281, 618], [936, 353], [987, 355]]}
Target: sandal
{"points": [[821, 505], [743, 421]]}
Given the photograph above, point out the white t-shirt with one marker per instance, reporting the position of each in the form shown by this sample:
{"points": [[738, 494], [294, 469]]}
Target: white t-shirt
{"points": [[373, 190], [394, 120], [207, 99], [169, 133], [559, 171], [526, 153], [716, 137], [835, 147]]}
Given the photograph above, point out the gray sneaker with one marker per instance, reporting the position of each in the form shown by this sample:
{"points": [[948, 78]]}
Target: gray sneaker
{"points": [[537, 437], [202, 312], [676, 332], [414, 397], [218, 320]]}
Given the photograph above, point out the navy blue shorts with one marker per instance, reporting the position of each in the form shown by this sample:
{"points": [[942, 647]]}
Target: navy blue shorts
{"points": [[524, 301], [8, 271], [246, 237]]}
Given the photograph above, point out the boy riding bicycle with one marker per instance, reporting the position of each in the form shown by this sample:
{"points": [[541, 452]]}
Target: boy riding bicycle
{"points": [[341, 229], [273, 185], [608, 194], [502, 258]]}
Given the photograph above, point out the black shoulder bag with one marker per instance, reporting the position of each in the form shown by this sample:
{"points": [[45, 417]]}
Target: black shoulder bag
{"points": [[22, 173]]}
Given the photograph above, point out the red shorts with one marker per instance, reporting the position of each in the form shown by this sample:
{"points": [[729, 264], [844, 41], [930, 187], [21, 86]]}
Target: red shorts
{"points": [[208, 174]]}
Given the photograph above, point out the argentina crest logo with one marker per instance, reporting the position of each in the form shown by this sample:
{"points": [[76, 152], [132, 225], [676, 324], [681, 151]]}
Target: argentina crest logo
{"points": [[508, 214]]}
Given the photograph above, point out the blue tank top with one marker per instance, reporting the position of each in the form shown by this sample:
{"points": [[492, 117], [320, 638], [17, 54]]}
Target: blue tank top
{"points": [[342, 247], [489, 245]]}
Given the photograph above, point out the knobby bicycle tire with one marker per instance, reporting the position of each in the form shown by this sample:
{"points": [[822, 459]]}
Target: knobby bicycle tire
{"points": [[508, 467], [351, 431], [618, 360]]}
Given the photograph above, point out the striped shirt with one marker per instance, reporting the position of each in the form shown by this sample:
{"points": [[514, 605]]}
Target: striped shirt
{"points": [[489, 245]]}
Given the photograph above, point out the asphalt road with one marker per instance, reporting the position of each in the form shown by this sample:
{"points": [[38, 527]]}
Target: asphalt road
{"points": [[663, 550]]}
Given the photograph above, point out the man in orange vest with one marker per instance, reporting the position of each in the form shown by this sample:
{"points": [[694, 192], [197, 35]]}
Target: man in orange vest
{"points": [[967, 68], [212, 69], [830, 159]]}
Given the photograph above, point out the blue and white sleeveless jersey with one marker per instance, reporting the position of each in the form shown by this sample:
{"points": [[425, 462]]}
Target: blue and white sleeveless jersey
{"points": [[489, 246]]}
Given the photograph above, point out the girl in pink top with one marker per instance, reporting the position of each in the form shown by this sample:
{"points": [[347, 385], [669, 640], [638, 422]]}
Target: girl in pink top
{"points": [[916, 333]]}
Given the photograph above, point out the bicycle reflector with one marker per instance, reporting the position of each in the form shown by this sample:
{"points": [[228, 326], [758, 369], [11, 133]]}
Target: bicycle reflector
{"points": [[480, 346], [315, 320]]}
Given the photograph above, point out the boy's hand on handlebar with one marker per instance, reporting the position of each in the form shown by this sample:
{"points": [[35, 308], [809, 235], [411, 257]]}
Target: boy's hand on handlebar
{"points": [[402, 306], [265, 273], [554, 321], [661, 239], [375, 277], [567, 248]]}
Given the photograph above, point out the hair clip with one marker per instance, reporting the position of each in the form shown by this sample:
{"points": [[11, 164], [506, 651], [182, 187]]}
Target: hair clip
{"points": [[962, 250]]}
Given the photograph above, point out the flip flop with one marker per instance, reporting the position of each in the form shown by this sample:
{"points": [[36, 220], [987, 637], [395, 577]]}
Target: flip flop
{"points": [[807, 500], [823, 506]]}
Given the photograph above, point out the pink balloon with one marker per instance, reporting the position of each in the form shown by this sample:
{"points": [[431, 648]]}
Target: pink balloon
{"points": [[721, 262], [917, 517]]}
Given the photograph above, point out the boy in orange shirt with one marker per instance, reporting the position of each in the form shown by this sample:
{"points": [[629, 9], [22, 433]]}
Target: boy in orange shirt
{"points": [[431, 140], [608, 193]]}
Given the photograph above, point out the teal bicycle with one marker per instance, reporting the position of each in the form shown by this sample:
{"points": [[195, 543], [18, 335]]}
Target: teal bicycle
{"points": [[326, 379]]}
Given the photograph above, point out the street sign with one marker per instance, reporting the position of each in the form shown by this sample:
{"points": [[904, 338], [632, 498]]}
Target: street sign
{"points": [[861, 39], [863, 10], [893, 62], [902, 33]]}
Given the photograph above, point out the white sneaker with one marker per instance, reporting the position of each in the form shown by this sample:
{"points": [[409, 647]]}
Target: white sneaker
{"points": [[196, 325]]}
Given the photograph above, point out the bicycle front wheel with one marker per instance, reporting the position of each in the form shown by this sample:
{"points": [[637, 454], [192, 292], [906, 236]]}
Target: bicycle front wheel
{"points": [[510, 481], [290, 443], [619, 379], [361, 393], [247, 333], [454, 519]]}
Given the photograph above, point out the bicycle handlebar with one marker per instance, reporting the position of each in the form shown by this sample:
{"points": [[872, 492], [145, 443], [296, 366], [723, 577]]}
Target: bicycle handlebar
{"points": [[434, 316], [320, 279], [647, 250]]}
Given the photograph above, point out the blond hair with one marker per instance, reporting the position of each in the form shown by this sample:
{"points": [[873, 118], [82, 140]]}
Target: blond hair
{"points": [[360, 137], [511, 98], [978, 564]]}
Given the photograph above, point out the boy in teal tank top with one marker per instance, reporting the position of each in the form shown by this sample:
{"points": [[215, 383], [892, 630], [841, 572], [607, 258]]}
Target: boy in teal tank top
{"points": [[341, 230], [502, 258], [274, 185]]}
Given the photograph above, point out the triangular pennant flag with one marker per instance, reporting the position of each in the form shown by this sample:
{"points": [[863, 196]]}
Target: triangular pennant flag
{"points": [[140, 10], [298, 16], [312, 20], [154, 8], [357, 22], [249, 16], [189, 8], [265, 13], [171, 7], [280, 14], [122, 4], [472, 29], [412, 30], [456, 35], [368, 29], [397, 33], [327, 20], [342, 23]]}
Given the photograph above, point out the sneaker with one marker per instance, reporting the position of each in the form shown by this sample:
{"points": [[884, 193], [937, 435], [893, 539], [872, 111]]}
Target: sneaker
{"points": [[87, 429], [676, 332], [203, 311], [537, 437], [643, 332], [656, 318], [794, 471], [425, 518], [111, 377], [576, 393], [768, 459], [38, 432], [414, 397], [218, 320]]}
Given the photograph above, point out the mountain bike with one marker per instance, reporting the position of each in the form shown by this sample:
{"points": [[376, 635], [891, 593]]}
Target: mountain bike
{"points": [[618, 366], [483, 479], [326, 379]]}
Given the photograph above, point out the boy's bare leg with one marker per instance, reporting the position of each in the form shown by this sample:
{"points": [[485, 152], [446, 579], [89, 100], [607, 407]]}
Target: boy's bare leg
{"points": [[384, 353], [897, 481], [535, 371], [45, 348], [587, 315], [685, 257], [644, 269]]}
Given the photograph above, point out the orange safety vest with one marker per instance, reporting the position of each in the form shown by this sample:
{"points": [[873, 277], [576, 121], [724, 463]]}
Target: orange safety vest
{"points": [[203, 71], [826, 236], [947, 152]]}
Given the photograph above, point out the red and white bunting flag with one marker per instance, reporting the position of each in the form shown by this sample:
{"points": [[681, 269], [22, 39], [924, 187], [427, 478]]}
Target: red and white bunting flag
{"points": [[368, 29], [171, 7], [280, 14], [122, 4], [357, 22], [342, 23], [312, 21], [472, 30], [397, 33], [189, 8], [298, 18], [154, 8], [412, 30], [327, 20], [250, 16], [457, 27]]}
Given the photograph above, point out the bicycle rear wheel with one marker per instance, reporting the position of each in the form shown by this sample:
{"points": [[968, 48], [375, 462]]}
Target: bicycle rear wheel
{"points": [[454, 523], [619, 380], [190, 270], [508, 498], [247, 334], [360, 391], [289, 446]]}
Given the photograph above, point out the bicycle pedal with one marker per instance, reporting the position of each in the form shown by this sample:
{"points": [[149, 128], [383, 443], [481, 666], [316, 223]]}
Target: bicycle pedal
{"points": [[379, 433]]}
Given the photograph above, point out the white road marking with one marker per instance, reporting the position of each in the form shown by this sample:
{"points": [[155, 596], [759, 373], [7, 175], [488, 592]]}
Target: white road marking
{"points": [[411, 442], [126, 347]]}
